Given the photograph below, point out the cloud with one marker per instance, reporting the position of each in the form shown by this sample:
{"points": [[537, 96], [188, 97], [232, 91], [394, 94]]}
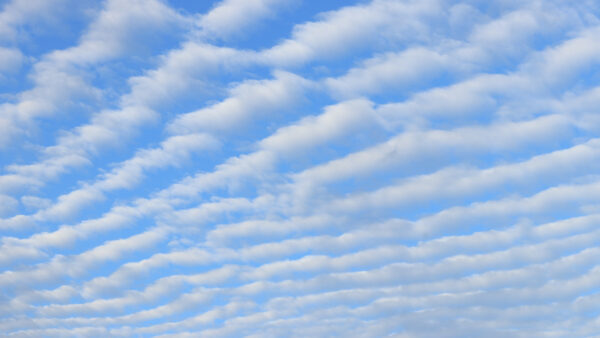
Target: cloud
{"points": [[248, 168], [354, 27], [8, 204], [58, 75], [245, 103], [231, 17], [18, 14], [11, 60]]}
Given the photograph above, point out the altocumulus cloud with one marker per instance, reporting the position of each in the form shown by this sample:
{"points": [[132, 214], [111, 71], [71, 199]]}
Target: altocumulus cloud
{"points": [[282, 168]]}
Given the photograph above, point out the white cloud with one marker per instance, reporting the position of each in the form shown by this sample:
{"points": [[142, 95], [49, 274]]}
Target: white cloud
{"points": [[381, 169], [408, 69], [247, 101], [58, 75], [231, 17], [19, 13], [379, 23], [7, 205], [11, 60]]}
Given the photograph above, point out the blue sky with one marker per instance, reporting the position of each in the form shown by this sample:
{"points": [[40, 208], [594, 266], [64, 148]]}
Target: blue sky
{"points": [[273, 168]]}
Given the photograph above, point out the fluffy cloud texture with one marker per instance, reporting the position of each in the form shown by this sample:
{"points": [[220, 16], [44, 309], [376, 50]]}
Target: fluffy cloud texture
{"points": [[274, 168]]}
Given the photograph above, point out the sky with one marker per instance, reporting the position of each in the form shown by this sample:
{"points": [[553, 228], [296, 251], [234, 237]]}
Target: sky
{"points": [[287, 168]]}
